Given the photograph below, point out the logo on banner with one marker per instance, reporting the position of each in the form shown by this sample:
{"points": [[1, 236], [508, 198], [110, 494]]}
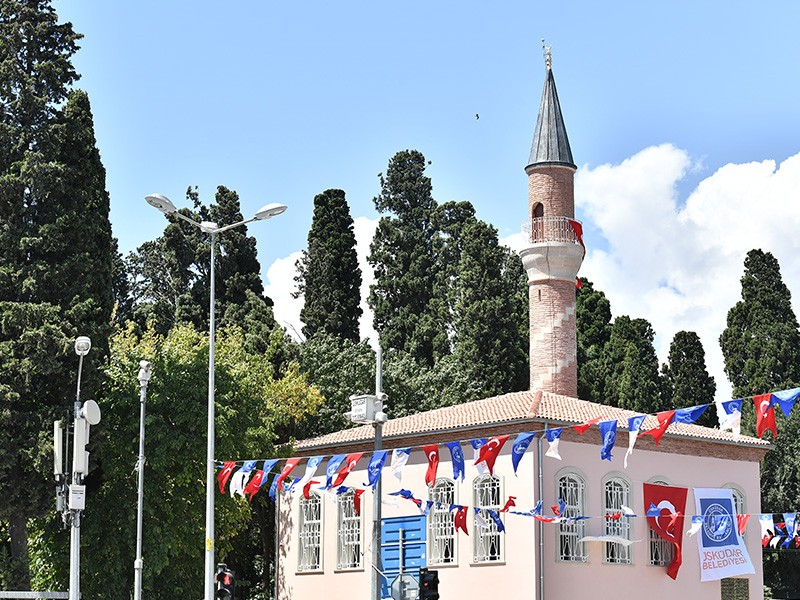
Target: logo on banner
{"points": [[722, 550], [717, 524]]}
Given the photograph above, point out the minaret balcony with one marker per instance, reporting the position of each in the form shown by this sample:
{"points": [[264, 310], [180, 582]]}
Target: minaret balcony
{"points": [[553, 229]]}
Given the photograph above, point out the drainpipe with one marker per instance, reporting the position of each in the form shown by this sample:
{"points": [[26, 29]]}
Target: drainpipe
{"points": [[539, 524]]}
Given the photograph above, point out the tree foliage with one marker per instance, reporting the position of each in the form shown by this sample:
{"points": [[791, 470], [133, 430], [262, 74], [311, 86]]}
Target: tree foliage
{"points": [[593, 323], [329, 278], [685, 378]]}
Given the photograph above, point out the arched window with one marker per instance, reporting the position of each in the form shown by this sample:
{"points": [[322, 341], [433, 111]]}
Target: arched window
{"points": [[661, 551], [739, 500], [348, 555], [616, 494], [572, 490], [441, 527], [488, 545], [537, 223], [310, 533]]}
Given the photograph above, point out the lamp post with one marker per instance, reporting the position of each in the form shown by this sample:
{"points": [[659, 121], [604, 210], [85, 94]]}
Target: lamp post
{"points": [[163, 204], [145, 370]]}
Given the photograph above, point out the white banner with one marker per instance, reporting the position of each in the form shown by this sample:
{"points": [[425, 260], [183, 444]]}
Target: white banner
{"points": [[722, 549]]}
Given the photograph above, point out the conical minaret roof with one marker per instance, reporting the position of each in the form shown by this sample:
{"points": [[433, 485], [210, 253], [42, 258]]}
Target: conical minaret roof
{"points": [[550, 143]]}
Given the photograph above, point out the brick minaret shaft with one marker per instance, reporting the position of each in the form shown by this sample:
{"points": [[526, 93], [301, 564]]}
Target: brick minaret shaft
{"points": [[554, 254]]}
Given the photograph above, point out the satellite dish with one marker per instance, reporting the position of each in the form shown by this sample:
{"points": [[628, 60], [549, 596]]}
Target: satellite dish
{"points": [[91, 412]]}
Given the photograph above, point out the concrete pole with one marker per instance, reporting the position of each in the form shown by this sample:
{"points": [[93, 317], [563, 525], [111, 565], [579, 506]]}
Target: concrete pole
{"points": [[376, 496]]}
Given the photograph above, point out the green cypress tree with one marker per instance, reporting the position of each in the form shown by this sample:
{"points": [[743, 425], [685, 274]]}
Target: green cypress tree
{"points": [[407, 311], [328, 275], [593, 323], [686, 380], [761, 347]]}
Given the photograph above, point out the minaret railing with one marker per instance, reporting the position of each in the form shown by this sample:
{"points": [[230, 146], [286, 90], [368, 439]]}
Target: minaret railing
{"points": [[551, 229]]}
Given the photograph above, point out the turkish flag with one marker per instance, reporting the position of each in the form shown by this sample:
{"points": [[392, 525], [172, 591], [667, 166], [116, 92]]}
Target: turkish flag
{"points": [[349, 465], [668, 523], [765, 415], [664, 420], [291, 463], [357, 501], [254, 485], [581, 429], [432, 452], [225, 474], [490, 450], [460, 519]]}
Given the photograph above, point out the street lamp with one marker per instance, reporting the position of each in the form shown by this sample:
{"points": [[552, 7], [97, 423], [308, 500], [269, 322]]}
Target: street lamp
{"points": [[145, 370], [268, 211]]}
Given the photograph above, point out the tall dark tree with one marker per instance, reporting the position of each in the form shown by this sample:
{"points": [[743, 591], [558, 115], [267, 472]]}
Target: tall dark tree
{"points": [[686, 380], [761, 347], [328, 275], [407, 311], [632, 379], [56, 249], [593, 323]]}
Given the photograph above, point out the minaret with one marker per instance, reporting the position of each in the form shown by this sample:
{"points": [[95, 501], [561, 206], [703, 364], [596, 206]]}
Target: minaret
{"points": [[555, 250]]}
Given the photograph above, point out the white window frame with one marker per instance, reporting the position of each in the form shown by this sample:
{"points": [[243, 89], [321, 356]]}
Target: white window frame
{"points": [[309, 534], [442, 547], [571, 487], [616, 494], [739, 502], [660, 552], [348, 538], [488, 546]]}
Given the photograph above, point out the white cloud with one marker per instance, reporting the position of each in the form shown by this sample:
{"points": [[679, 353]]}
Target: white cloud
{"points": [[280, 284], [680, 266]]}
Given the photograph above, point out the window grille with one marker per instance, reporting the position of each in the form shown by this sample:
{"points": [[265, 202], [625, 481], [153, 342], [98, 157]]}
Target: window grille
{"points": [[661, 551], [442, 531], [349, 532], [310, 531], [487, 541], [571, 490], [617, 494]]}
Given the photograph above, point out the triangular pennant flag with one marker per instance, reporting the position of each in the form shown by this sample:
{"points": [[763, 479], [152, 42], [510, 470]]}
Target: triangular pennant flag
{"points": [[225, 475], [581, 429], [240, 477], [608, 434], [399, 460], [553, 436], [255, 484], [767, 528], [333, 467], [634, 426], [432, 454], [357, 501], [460, 519], [307, 488], [729, 414], [311, 469], [479, 520], [457, 458], [785, 399], [664, 420], [375, 467], [691, 414], [350, 463], [488, 453], [697, 523], [291, 463], [765, 415], [477, 444], [741, 522], [520, 446], [495, 516], [509, 503], [558, 509]]}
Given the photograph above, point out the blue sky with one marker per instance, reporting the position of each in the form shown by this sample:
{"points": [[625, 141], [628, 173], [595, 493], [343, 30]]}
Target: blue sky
{"points": [[681, 117]]}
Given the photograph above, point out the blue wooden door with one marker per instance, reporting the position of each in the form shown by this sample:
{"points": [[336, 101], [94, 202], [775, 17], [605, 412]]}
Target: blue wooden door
{"points": [[402, 548]]}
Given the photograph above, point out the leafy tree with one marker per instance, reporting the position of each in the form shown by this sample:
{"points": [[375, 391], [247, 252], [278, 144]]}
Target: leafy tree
{"points": [[593, 322], [252, 406], [686, 381], [56, 249], [761, 347], [632, 379], [407, 311], [328, 275]]}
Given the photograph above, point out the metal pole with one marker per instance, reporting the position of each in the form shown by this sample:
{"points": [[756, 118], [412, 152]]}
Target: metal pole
{"points": [[209, 569], [376, 497], [144, 378], [75, 529]]}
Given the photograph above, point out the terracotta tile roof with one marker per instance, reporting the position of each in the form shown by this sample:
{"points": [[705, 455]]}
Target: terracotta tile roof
{"points": [[515, 408]]}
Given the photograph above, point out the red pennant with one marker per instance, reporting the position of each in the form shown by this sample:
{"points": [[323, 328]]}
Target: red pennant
{"points": [[357, 501], [225, 475], [490, 450], [664, 420], [765, 417], [509, 503], [581, 429], [291, 463], [460, 519], [614, 517], [254, 485], [432, 452], [349, 465], [307, 489], [741, 522]]}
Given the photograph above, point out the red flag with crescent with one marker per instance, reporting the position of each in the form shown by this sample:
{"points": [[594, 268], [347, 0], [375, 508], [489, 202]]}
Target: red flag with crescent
{"points": [[349, 464], [291, 463], [668, 523], [357, 501], [460, 519], [432, 452], [490, 451], [664, 419], [581, 429], [225, 474], [254, 485], [765, 415]]}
